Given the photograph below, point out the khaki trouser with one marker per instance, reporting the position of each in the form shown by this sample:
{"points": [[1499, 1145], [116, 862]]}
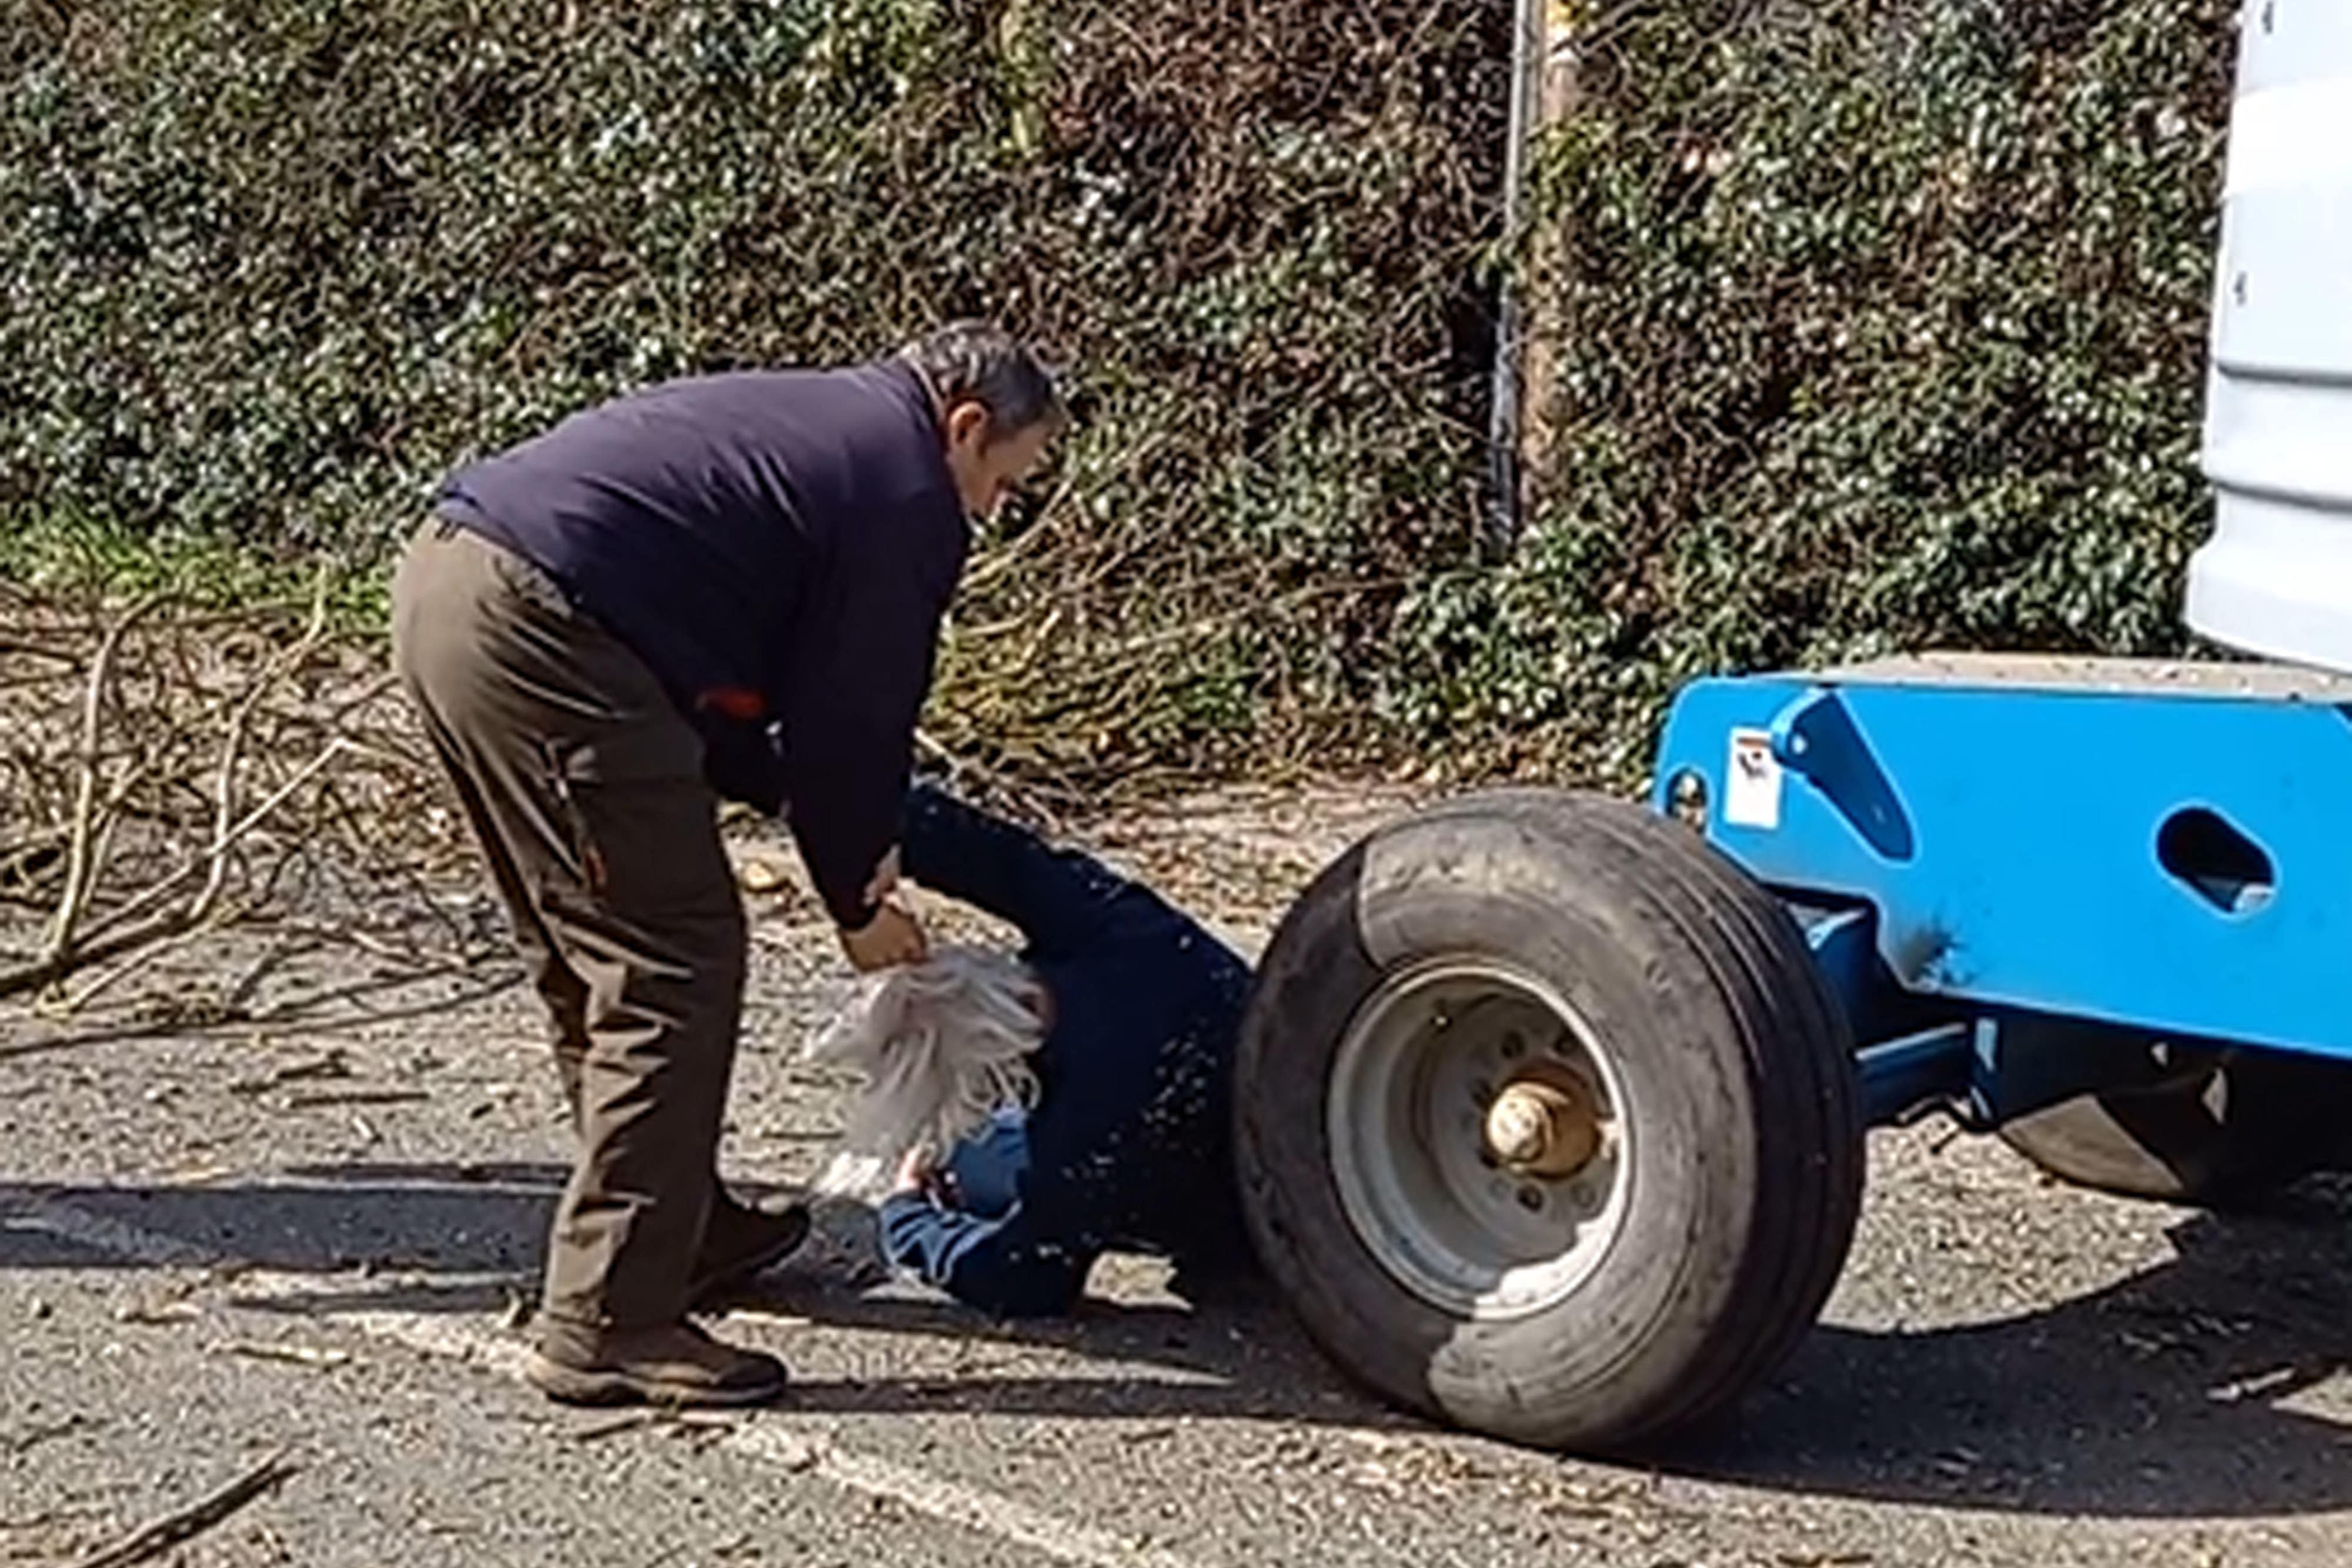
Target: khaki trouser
{"points": [[584, 787]]}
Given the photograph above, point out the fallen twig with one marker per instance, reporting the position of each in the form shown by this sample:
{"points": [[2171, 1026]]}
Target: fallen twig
{"points": [[24, 1442], [613, 1428], [158, 1317], [165, 772], [81, 870], [356, 1097], [659, 1418], [133, 961], [330, 1063], [159, 1536], [299, 1354]]}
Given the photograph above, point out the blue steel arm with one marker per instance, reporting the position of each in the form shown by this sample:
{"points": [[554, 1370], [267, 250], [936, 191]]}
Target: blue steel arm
{"points": [[2156, 849]]}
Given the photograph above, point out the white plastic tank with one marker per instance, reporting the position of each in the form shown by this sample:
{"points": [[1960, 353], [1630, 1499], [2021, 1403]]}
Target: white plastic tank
{"points": [[2275, 579]]}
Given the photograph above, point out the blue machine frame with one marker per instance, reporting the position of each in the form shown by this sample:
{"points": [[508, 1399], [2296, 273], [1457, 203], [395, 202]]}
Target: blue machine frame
{"points": [[2028, 877]]}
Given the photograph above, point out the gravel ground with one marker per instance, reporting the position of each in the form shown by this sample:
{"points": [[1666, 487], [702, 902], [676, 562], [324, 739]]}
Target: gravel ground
{"points": [[298, 1224]]}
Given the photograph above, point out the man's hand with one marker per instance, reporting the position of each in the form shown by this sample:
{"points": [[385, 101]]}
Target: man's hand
{"points": [[895, 935]]}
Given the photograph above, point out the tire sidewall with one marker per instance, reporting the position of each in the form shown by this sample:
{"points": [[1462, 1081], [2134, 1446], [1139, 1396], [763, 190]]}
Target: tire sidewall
{"points": [[1482, 884]]}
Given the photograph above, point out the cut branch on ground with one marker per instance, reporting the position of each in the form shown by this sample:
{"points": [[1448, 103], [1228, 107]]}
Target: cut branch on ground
{"points": [[154, 1539], [169, 768]]}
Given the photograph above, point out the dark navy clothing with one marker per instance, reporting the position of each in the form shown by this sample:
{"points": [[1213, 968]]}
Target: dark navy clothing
{"points": [[779, 548], [1128, 1147]]}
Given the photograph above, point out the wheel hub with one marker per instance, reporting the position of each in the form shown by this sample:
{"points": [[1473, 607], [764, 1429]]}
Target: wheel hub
{"points": [[1545, 1126], [1477, 1137]]}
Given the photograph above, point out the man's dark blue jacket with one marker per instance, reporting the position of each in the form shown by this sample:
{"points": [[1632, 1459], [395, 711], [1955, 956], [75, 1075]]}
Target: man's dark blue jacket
{"points": [[779, 548], [1129, 1146]]}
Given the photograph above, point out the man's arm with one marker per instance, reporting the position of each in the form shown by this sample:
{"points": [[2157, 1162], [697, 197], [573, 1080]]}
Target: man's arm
{"points": [[1009, 1265], [860, 670]]}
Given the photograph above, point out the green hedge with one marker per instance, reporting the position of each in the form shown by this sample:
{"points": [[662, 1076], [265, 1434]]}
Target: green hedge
{"points": [[1878, 323], [275, 264]]}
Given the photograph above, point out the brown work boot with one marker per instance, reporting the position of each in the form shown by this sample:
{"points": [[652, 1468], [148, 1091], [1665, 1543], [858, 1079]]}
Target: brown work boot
{"points": [[675, 1363], [737, 1242]]}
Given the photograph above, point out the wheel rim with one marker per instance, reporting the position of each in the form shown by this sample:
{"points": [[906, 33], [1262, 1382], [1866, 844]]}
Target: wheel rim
{"points": [[1476, 1137]]}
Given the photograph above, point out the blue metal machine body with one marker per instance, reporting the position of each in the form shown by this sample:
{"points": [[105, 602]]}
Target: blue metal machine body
{"points": [[2030, 877], [2123, 853]]}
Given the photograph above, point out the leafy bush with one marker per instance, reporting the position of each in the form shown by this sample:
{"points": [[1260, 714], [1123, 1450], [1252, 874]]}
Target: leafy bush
{"points": [[1879, 325], [1871, 322], [274, 265]]}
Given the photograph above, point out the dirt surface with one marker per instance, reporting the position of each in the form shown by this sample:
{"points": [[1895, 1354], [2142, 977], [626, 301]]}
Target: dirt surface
{"points": [[284, 1201]]}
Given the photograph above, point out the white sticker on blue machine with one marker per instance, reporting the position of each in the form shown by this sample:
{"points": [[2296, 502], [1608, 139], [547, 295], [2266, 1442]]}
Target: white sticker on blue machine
{"points": [[1751, 788]]}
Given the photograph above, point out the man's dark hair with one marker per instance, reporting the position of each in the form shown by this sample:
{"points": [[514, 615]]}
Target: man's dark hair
{"points": [[978, 361]]}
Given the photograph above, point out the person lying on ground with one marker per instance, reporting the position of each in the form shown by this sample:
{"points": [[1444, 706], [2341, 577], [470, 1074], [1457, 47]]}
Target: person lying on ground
{"points": [[1040, 1111]]}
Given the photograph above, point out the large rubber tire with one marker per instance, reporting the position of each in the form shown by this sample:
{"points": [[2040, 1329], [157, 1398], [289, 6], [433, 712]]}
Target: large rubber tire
{"points": [[2224, 1130], [1731, 1062]]}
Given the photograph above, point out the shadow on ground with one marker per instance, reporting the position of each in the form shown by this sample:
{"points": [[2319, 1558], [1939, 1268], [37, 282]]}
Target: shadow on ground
{"points": [[2170, 1394]]}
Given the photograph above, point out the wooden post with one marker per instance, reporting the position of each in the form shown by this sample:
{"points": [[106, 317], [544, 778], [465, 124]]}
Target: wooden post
{"points": [[1543, 93], [1539, 382]]}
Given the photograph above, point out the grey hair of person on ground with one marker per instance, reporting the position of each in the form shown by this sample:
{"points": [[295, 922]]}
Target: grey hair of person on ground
{"points": [[939, 1046]]}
